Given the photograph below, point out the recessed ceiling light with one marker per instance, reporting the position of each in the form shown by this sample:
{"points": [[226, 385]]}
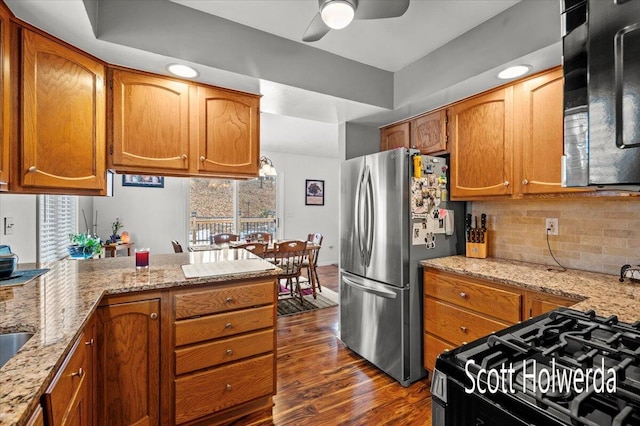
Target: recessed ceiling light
{"points": [[513, 72], [182, 70]]}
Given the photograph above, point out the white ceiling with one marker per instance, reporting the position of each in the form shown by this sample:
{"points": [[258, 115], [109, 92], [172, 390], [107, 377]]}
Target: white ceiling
{"points": [[389, 44]]}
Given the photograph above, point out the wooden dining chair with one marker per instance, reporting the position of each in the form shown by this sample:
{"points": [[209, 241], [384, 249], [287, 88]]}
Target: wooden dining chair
{"points": [[289, 256], [260, 237], [316, 240], [177, 248], [259, 249], [223, 238]]}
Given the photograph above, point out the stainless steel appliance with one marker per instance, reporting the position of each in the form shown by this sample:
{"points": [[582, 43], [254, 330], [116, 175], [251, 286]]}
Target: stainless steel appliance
{"points": [[380, 278], [601, 63], [562, 368]]}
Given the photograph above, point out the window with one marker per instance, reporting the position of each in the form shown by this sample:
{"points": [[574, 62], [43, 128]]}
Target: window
{"points": [[56, 220], [233, 206]]}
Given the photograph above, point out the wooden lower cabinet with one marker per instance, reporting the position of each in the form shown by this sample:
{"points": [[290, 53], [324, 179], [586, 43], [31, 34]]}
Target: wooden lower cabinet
{"points": [[68, 400], [459, 309], [128, 387], [225, 344]]}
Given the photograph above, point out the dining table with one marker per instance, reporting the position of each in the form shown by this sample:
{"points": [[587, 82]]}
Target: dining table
{"points": [[310, 251]]}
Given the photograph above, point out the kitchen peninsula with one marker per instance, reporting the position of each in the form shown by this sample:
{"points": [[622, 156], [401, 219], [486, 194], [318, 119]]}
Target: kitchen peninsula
{"points": [[82, 300]]}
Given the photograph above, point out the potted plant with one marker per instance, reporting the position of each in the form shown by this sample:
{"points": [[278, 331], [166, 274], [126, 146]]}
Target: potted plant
{"points": [[115, 227], [84, 246]]}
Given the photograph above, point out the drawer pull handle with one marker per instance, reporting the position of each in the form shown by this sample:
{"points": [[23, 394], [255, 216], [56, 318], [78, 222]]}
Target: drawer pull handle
{"points": [[153, 315], [228, 387], [78, 373], [184, 156], [229, 299], [229, 352], [506, 183], [32, 169], [464, 343], [89, 343], [463, 329], [228, 325], [202, 158], [525, 182], [463, 294]]}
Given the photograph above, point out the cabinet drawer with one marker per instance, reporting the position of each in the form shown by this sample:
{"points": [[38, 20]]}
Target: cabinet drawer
{"points": [[223, 325], [200, 394], [456, 325], [434, 346], [460, 291], [222, 351], [223, 299], [67, 386]]}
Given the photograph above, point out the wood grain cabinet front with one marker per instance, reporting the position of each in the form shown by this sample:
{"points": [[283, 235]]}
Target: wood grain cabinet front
{"points": [[224, 348], [5, 94], [61, 143], [128, 385], [459, 309], [395, 136], [150, 122], [429, 132], [68, 400]]}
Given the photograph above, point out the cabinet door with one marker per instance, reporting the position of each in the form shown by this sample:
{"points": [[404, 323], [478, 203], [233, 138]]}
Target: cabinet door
{"points": [[63, 117], [5, 96], [150, 123], [481, 130], [539, 126], [128, 388], [228, 132], [429, 132], [395, 136], [537, 303]]}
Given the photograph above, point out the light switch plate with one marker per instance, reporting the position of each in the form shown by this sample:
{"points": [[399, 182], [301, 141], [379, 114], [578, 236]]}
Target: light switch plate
{"points": [[8, 225]]}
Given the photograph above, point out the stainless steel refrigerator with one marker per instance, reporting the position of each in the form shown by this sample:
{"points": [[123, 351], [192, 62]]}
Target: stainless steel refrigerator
{"points": [[381, 293]]}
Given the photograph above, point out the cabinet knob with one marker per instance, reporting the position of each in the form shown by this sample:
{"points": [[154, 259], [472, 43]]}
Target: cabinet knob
{"points": [[228, 325], [153, 315], [184, 156], [228, 387], [506, 183], [32, 169], [229, 352], [78, 373], [463, 294], [202, 158], [525, 182], [464, 343], [229, 299], [89, 343], [463, 329]]}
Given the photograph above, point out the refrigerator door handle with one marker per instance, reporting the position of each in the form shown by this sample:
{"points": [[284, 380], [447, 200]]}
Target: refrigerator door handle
{"points": [[370, 216], [356, 211], [377, 290]]}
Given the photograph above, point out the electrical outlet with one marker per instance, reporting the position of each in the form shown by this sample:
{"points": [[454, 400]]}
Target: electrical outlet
{"points": [[551, 226], [9, 223]]}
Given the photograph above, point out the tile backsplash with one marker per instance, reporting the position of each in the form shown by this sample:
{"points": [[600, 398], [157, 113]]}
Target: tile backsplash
{"points": [[598, 235]]}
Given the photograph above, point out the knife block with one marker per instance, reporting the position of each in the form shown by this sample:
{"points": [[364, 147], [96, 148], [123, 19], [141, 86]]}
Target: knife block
{"points": [[478, 250]]}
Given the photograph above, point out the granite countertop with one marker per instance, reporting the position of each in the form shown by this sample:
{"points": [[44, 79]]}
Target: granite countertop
{"points": [[605, 294], [56, 306]]}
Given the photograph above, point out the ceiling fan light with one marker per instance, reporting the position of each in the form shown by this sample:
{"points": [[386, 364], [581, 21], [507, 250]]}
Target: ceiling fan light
{"points": [[337, 14]]}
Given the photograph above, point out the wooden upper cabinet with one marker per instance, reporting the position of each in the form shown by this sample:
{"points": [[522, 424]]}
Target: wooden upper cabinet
{"points": [[228, 137], [481, 152], [429, 132], [5, 95], [62, 137], [150, 122], [395, 136], [539, 133]]}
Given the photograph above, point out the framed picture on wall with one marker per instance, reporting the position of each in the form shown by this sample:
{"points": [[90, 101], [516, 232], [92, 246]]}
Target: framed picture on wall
{"points": [[314, 192], [143, 180]]}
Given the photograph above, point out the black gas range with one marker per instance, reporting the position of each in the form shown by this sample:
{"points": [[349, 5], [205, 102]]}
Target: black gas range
{"points": [[563, 368]]}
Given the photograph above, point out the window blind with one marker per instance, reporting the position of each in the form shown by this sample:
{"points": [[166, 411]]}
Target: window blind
{"points": [[57, 218]]}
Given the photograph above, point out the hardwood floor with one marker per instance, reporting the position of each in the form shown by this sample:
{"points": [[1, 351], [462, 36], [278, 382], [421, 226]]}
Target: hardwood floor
{"points": [[320, 382]]}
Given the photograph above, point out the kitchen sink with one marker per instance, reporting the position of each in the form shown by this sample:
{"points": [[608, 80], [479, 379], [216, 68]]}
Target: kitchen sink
{"points": [[11, 343]]}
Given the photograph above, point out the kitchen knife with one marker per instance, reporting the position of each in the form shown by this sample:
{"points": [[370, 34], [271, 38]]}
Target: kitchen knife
{"points": [[483, 227], [467, 223]]}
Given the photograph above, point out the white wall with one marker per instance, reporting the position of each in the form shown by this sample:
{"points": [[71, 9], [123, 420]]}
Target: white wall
{"points": [[152, 216], [298, 219], [22, 208]]}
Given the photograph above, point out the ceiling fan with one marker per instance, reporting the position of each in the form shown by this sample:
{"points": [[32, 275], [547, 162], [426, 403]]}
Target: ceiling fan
{"points": [[337, 14]]}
